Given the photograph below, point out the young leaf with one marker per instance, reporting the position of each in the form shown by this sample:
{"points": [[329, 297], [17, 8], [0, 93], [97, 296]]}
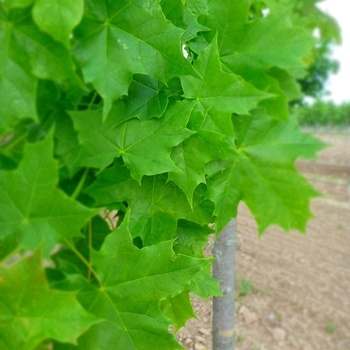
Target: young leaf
{"points": [[31, 312], [32, 206]]}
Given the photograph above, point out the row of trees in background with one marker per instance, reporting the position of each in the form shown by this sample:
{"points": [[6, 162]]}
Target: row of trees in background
{"points": [[323, 113]]}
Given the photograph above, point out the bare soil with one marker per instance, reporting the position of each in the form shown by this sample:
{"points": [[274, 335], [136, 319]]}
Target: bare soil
{"points": [[300, 297]]}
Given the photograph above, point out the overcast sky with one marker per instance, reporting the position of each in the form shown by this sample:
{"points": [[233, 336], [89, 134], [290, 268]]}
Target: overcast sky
{"points": [[339, 85]]}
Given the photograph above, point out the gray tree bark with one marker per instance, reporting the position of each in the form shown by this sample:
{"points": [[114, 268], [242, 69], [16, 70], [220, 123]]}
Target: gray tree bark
{"points": [[224, 307]]}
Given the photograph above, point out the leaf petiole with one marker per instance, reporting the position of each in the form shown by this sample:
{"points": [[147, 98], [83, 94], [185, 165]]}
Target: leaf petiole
{"points": [[109, 220], [80, 184], [83, 260], [90, 247], [10, 145], [92, 100]]}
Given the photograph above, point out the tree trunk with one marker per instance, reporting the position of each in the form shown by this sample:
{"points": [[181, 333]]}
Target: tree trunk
{"points": [[224, 307]]}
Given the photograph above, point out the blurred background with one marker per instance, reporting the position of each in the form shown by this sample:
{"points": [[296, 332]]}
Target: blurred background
{"points": [[326, 105]]}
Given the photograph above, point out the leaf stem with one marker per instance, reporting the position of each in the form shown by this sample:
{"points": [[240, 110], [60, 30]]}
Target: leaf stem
{"points": [[90, 247], [6, 138], [84, 261], [15, 142], [80, 184], [92, 100], [109, 220]]}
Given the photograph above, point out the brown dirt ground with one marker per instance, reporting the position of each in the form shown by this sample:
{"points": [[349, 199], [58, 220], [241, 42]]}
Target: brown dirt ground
{"points": [[301, 284]]}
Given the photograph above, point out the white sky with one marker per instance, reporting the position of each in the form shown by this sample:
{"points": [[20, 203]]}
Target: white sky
{"points": [[339, 85]]}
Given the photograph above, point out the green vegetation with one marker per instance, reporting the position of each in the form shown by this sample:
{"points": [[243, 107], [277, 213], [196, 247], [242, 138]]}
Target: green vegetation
{"points": [[119, 157], [244, 287], [240, 338], [330, 326], [323, 114]]}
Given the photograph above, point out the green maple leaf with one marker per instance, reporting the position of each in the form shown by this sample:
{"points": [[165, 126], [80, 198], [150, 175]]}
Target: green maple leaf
{"points": [[190, 240], [145, 147], [192, 155], [181, 16], [268, 42], [264, 168], [133, 282], [147, 98], [58, 17], [32, 209], [155, 205], [178, 310], [119, 39], [30, 312], [218, 92], [250, 48]]}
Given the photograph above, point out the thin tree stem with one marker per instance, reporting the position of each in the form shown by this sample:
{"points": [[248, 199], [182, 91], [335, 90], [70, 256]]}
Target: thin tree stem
{"points": [[224, 307]]}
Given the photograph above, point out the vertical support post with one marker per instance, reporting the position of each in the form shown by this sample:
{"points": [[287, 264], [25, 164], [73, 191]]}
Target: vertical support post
{"points": [[224, 307]]}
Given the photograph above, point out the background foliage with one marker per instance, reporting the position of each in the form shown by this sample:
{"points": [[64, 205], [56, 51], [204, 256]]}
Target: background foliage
{"points": [[120, 155], [324, 113]]}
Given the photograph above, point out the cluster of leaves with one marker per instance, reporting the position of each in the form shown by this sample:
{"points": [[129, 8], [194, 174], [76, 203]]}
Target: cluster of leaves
{"points": [[130, 131], [324, 113], [327, 34]]}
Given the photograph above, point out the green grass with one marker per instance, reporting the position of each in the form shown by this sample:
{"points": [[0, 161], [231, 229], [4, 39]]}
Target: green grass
{"points": [[243, 287], [240, 338], [330, 328]]}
